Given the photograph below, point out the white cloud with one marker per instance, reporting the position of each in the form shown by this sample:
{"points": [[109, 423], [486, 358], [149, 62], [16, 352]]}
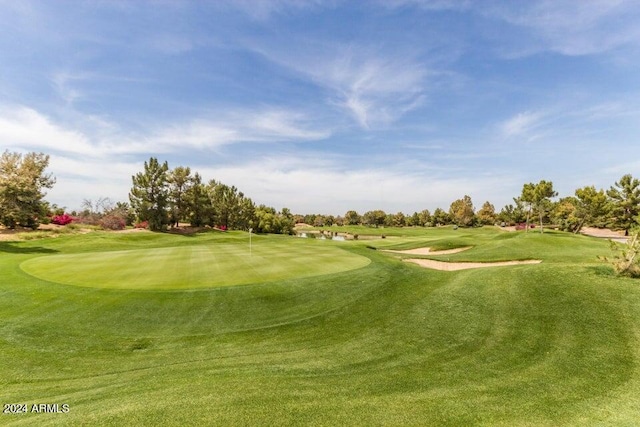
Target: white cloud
{"points": [[86, 178], [24, 128], [268, 125], [27, 129], [569, 123], [62, 82], [327, 186], [375, 88], [575, 28], [521, 124], [88, 164]]}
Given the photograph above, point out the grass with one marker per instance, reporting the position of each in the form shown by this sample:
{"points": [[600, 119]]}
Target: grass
{"points": [[386, 343], [204, 265]]}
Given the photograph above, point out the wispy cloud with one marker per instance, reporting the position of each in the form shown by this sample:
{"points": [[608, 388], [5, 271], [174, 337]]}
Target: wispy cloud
{"points": [[306, 183], [79, 85], [375, 88], [80, 158], [429, 5], [268, 125], [171, 44], [521, 124], [63, 82], [570, 28], [568, 122], [263, 9], [90, 178], [25, 128]]}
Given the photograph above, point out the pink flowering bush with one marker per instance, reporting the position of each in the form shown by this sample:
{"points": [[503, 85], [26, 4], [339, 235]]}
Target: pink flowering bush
{"points": [[63, 219], [143, 224]]}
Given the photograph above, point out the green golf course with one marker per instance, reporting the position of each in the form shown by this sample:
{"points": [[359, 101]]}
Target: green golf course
{"points": [[194, 266], [167, 329]]}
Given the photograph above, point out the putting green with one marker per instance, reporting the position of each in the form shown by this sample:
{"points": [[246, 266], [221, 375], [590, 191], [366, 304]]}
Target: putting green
{"points": [[189, 267]]}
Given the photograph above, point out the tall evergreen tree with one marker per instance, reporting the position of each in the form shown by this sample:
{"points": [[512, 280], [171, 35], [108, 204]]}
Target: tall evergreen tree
{"points": [[227, 203], [149, 194], [180, 180], [198, 203], [625, 203]]}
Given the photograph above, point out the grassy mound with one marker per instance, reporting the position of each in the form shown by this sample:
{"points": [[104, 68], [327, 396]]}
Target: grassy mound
{"points": [[210, 264], [390, 343]]}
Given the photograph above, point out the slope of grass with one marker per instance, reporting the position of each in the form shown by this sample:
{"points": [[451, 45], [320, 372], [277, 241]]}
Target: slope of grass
{"points": [[195, 266], [389, 343]]}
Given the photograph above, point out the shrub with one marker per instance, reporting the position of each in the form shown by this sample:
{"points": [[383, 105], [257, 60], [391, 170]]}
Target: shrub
{"points": [[63, 219], [113, 222], [142, 224], [626, 257]]}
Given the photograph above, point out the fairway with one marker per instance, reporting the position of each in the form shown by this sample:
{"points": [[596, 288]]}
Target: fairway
{"points": [[190, 267], [153, 332]]}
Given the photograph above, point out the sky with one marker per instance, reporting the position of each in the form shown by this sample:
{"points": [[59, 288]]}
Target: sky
{"points": [[325, 106]]}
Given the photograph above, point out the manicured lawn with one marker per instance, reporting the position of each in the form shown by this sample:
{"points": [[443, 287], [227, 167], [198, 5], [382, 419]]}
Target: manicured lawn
{"points": [[196, 266], [362, 338]]}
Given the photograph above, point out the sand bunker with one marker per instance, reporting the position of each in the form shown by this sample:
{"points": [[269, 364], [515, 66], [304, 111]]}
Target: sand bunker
{"points": [[428, 251], [454, 266]]}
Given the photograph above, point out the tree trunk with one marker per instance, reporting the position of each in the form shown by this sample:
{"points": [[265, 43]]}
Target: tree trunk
{"points": [[541, 229]]}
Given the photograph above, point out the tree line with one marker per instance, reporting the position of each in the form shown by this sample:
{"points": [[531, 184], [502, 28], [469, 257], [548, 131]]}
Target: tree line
{"points": [[617, 208], [162, 197], [165, 197]]}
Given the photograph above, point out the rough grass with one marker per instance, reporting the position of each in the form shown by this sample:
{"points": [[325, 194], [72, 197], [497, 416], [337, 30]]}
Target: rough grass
{"points": [[386, 344]]}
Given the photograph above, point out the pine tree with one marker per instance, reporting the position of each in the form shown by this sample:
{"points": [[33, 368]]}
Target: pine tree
{"points": [[625, 200], [149, 194]]}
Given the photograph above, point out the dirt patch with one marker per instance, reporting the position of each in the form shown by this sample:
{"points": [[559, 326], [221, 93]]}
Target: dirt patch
{"points": [[428, 251], [8, 235], [455, 266], [604, 233]]}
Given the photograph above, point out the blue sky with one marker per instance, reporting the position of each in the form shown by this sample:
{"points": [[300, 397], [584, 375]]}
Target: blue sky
{"points": [[326, 106]]}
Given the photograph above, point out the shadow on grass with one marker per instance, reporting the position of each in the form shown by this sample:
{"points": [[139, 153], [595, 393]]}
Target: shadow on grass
{"points": [[17, 248], [603, 270]]}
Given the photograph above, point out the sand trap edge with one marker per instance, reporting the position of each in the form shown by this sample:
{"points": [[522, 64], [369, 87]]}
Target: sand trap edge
{"points": [[428, 251], [455, 266]]}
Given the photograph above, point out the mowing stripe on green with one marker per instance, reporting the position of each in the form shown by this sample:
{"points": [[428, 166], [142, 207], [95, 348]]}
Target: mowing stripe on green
{"points": [[189, 267]]}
